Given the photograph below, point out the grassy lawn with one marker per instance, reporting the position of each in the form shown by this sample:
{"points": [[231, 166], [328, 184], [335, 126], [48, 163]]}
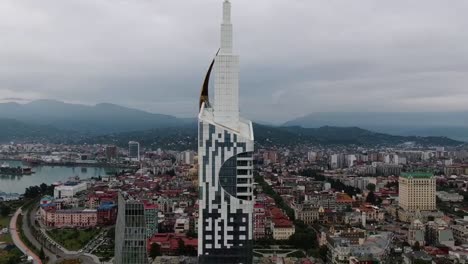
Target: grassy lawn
{"points": [[5, 222], [73, 239]]}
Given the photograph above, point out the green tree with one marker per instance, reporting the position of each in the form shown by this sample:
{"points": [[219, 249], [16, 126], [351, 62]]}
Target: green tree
{"points": [[371, 187], [323, 251], [190, 251], [181, 250], [417, 246], [42, 254], [303, 239], [5, 210], [155, 250], [371, 198]]}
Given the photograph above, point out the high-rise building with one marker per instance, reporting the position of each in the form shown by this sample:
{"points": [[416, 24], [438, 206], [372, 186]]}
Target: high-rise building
{"points": [[225, 156], [337, 161], [111, 152], [417, 192], [151, 219], [130, 232], [186, 157], [134, 150]]}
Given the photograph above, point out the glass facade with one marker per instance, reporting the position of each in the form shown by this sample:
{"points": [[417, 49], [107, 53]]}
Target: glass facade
{"points": [[130, 233]]}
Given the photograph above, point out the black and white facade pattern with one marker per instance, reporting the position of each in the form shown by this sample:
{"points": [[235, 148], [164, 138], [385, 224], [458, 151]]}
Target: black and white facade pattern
{"points": [[225, 225]]}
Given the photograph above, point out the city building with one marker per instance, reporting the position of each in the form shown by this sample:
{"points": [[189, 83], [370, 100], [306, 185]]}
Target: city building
{"points": [[225, 155], [259, 221], [416, 233], [151, 219], [307, 212], [130, 232], [449, 197], [417, 192], [134, 150], [281, 226], [70, 218], [186, 157], [69, 189], [111, 152], [182, 225]]}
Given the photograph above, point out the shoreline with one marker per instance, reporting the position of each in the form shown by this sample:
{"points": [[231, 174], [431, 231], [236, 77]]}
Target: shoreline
{"points": [[71, 164]]}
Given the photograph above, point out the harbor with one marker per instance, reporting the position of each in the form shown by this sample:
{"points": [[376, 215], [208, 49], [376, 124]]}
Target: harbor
{"points": [[6, 169], [17, 183]]}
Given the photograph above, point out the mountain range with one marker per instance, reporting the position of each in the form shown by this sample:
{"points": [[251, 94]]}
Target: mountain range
{"points": [[449, 124], [98, 119], [59, 122]]}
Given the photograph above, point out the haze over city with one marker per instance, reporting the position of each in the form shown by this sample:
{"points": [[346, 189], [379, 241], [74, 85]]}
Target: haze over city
{"points": [[298, 57]]}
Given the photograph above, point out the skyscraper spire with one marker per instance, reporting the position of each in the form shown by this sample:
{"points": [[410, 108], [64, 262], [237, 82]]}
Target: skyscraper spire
{"points": [[226, 95], [226, 29], [227, 12]]}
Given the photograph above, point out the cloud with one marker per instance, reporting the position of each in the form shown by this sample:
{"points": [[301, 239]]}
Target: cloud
{"points": [[297, 57]]}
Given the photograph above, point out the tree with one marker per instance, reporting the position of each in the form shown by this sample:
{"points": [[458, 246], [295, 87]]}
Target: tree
{"points": [[371, 198], [5, 210], [43, 187], [42, 254], [181, 248], [323, 251], [191, 233], [417, 246], [190, 251], [303, 238], [155, 250], [371, 187]]}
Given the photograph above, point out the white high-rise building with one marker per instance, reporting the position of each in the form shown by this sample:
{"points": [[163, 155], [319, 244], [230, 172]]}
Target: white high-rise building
{"points": [[311, 156], [225, 157], [134, 150]]}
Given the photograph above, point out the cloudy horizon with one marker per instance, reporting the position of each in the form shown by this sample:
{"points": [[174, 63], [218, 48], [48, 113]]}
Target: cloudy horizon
{"points": [[297, 57]]}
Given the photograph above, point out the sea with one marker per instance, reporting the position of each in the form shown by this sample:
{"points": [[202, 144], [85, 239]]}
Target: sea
{"points": [[46, 174]]}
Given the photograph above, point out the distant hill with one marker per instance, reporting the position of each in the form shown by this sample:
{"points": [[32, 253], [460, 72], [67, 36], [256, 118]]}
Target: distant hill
{"points": [[99, 119], [448, 124], [54, 121], [265, 136], [13, 130]]}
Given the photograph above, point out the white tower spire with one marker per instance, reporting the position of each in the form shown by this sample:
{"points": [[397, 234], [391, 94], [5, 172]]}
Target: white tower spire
{"points": [[226, 29], [226, 96]]}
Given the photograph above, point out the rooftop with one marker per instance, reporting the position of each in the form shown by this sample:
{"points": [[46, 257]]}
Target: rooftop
{"points": [[417, 175]]}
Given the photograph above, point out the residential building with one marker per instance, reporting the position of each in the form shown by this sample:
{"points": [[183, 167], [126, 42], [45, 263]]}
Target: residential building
{"points": [[151, 218], [259, 221]]}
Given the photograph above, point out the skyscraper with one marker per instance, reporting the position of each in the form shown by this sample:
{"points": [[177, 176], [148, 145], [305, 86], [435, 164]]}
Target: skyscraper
{"points": [[225, 151], [130, 232], [134, 150]]}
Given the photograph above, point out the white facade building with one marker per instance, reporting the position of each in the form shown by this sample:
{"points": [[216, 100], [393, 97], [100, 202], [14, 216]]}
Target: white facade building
{"points": [[225, 159], [63, 191]]}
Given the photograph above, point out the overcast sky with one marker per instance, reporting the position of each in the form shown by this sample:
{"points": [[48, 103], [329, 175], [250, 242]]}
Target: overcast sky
{"points": [[297, 56]]}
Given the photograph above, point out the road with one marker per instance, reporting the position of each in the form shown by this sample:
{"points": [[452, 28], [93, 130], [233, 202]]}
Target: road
{"points": [[54, 251], [17, 240]]}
